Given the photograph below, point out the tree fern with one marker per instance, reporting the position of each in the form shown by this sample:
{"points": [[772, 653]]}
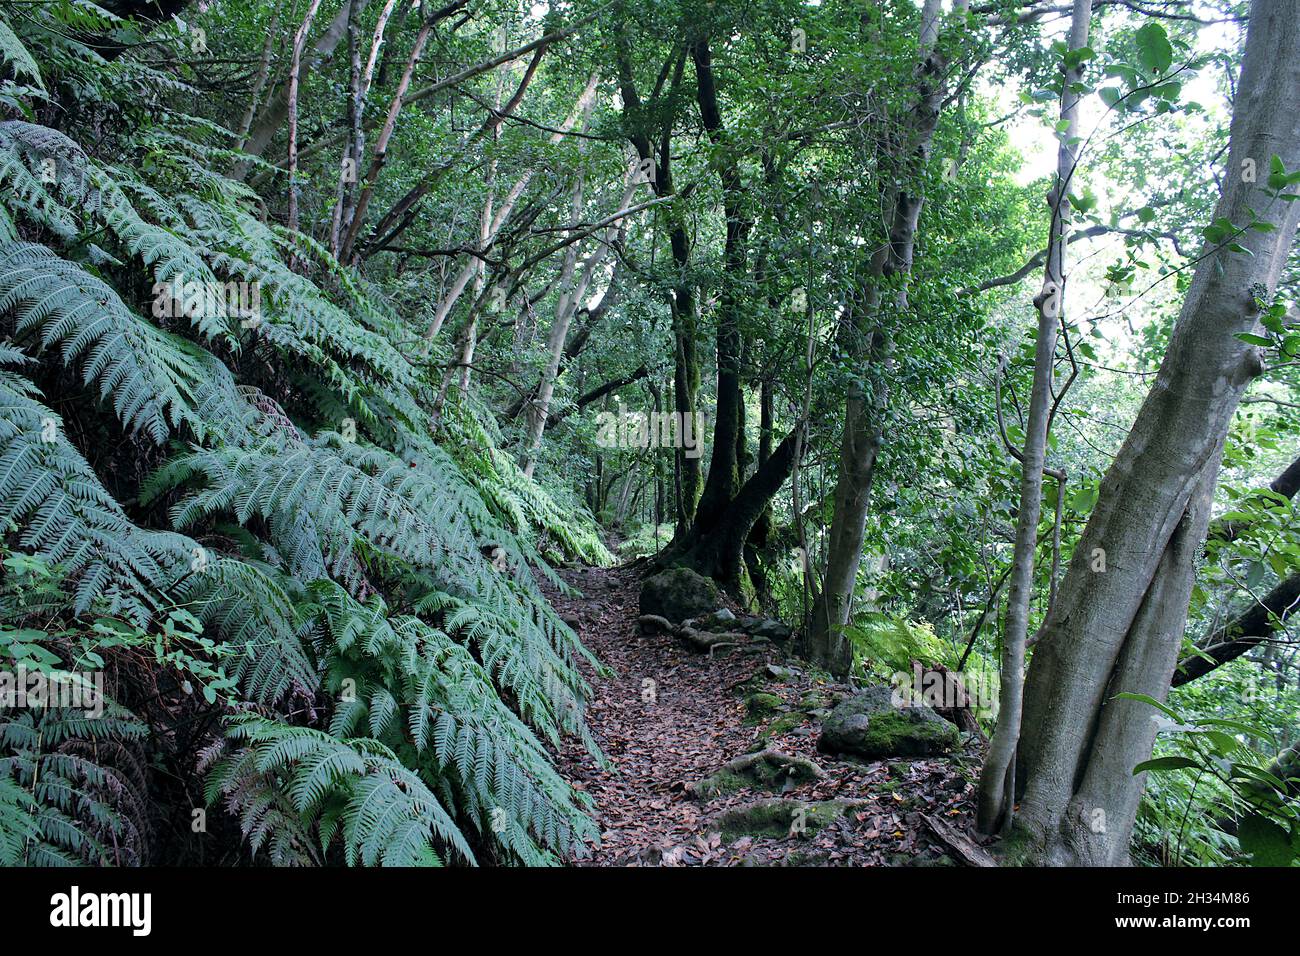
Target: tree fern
{"points": [[67, 517], [355, 789], [15, 55], [61, 802], [152, 377], [347, 569]]}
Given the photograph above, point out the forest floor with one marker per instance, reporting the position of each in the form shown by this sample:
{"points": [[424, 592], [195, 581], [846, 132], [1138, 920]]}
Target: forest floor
{"points": [[671, 716]]}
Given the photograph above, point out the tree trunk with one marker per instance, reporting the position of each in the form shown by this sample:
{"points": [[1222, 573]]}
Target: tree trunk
{"points": [[657, 156], [348, 164], [580, 109], [724, 468], [263, 74], [299, 41], [565, 309], [827, 644], [355, 151], [271, 119], [1122, 606], [997, 786], [381, 144]]}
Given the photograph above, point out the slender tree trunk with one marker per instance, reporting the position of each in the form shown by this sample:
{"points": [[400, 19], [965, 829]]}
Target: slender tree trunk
{"points": [[299, 41], [575, 345], [381, 144], [469, 341], [581, 108], [456, 79], [376, 42], [485, 232], [259, 84], [348, 165], [565, 308], [1122, 606], [392, 223], [272, 117], [863, 413], [997, 784], [355, 151]]}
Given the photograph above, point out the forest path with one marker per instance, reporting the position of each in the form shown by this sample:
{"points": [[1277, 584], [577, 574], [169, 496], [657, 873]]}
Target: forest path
{"points": [[670, 716]]}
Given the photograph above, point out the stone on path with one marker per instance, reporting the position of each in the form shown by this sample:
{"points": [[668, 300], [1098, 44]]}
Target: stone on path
{"points": [[777, 817], [679, 594], [766, 770], [869, 725]]}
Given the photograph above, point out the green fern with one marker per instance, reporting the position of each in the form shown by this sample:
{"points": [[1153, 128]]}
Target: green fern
{"points": [[14, 53], [347, 570], [67, 517], [356, 790], [60, 803]]}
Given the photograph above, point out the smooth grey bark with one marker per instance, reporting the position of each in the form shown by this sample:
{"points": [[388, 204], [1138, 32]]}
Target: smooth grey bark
{"points": [[263, 74], [565, 309], [997, 786], [299, 41], [581, 108], [359, 81], [380, 157], [273, 114], [450, 82], [1122, 606]]}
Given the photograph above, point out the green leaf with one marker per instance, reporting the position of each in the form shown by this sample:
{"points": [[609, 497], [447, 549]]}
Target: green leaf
{"points": [[1255, 339], [1143, 698], [1155, 54], [13, 52], [1162, 764], [1083, 499], [1168, 92]]}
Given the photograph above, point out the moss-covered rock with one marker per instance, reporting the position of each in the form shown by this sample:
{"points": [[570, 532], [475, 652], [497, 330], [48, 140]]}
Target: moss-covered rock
{"points": [[784, 723], [766, 770], [720, 620], [762, 705], [870, 726], [678, 594], [774, 817], [815, 700]]}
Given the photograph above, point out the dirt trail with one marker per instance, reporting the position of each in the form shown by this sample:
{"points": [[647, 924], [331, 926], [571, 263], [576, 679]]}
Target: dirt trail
{"points": [[671, 716]]}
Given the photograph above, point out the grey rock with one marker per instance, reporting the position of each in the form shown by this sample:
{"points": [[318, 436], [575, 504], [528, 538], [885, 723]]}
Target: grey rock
{"points": [[678, 594], [868, 725], [771, 629]]}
